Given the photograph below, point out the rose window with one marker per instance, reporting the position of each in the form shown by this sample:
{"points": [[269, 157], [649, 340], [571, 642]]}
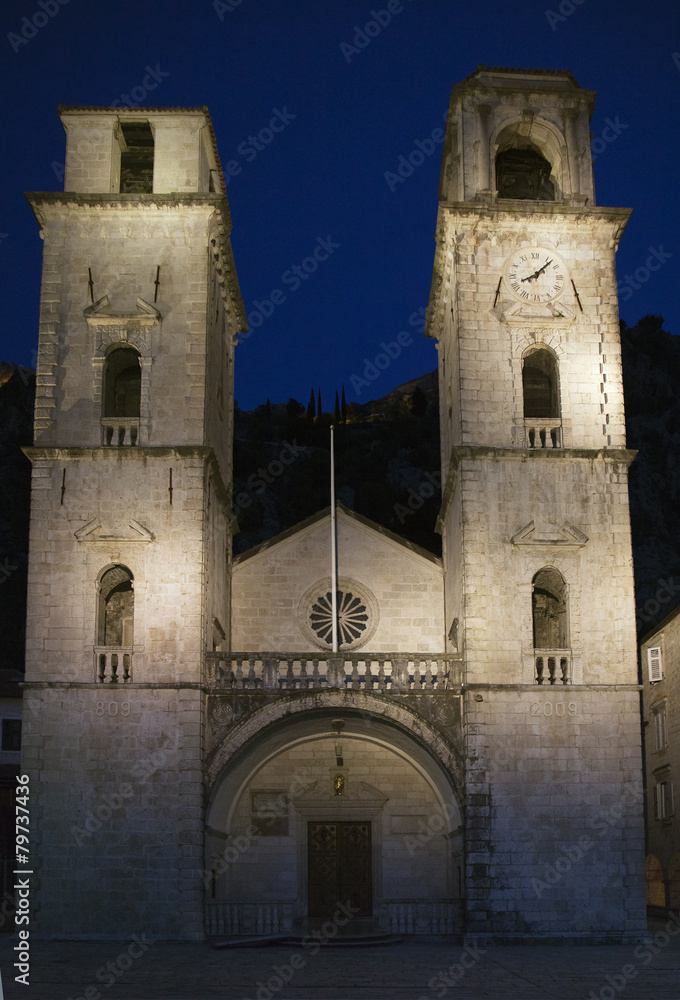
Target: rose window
{"points": [[352, 618], [357, 614]]}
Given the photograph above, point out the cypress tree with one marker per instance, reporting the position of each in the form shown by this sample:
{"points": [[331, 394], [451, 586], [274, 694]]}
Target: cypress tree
{"points": [[337, 408]]}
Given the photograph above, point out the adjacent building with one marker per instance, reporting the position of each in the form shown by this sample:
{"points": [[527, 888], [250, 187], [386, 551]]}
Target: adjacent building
{"points": [[660, 656]]}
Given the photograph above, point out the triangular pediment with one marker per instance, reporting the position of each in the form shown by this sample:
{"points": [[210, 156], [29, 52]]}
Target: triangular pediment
{"points": [[119, 531], [101, 312], [549, 534]]}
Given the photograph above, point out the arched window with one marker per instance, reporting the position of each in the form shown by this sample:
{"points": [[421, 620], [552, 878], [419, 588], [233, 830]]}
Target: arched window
{"points": [[122, 383], [539, 384], [116, 608], [524, 173], [549, 610]]}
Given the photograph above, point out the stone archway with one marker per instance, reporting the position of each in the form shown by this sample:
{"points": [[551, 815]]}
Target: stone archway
{"points": [[656, 889], [321, 766]]}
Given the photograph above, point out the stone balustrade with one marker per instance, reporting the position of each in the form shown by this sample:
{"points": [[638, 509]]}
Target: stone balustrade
{"points": [[120, 432], [223, 918], [553, 666], [393, 672], [420, 917], [227, 919], [543, 433], [113, 664]]}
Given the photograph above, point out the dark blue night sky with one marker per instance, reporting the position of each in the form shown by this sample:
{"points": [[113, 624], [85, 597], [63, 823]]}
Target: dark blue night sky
{"points": [[346, 107]]}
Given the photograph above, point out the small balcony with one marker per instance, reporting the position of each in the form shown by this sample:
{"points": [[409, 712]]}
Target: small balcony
{"points": [[386, 672], [552, 666], [120, 432], [543, 432], [113, 664]]}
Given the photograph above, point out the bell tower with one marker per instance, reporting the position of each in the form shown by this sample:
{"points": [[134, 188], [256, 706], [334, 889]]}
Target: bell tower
{"points": [[130, 527], [537, 553]]}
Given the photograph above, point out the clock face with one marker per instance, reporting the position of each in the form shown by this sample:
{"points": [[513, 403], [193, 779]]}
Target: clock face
{"points": [[535, 275]]}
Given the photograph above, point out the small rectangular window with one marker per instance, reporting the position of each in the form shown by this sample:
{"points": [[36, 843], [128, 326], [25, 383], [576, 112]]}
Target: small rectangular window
{"points": [[660, 738], [655, 664], [11, 734]]}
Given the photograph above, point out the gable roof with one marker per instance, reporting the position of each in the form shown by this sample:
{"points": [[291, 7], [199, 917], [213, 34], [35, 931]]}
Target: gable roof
{"points": [[320, 516]]}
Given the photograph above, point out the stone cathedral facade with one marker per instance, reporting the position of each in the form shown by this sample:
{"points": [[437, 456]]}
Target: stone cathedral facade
{"points": [[201, 762]]}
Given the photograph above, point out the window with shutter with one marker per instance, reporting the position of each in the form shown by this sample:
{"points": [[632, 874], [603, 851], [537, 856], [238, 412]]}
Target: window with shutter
{"points": [[654, 663], [660, 729], [663, 799]]}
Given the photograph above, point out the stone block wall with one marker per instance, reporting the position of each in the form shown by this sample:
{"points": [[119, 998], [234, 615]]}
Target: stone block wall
{"points": [[555, 816], [117, 829], [167, 563], [500, 497], [269, 587]]}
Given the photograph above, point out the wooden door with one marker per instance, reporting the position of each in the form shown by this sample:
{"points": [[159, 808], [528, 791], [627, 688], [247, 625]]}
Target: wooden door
{"points": [[339, 867]]}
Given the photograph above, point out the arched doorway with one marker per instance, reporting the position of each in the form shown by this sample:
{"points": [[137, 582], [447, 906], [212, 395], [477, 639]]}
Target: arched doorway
{"points": [[330, 809], [656, 890]]}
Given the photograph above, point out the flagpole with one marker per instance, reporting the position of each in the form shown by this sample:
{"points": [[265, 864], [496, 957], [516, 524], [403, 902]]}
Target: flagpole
{"points": [[334, 553]]}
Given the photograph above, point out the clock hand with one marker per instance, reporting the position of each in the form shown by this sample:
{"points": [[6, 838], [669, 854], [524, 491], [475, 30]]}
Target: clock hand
{"points": [[543, 268]]}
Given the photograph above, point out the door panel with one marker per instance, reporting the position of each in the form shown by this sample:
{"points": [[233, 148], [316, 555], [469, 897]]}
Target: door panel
{"points": [[339, 867]]}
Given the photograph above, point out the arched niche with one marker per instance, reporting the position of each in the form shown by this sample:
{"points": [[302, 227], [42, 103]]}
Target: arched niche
{"points": [[116, 602], [540, 384], [122, 382], [549, 610], [530, 161]]}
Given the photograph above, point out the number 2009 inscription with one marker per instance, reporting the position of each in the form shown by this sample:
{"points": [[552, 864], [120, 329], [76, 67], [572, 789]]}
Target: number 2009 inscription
{"points": [[560, 709]]}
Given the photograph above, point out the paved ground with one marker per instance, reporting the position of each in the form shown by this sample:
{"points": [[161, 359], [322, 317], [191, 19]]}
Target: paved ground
{"points": [[404, 971]]}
